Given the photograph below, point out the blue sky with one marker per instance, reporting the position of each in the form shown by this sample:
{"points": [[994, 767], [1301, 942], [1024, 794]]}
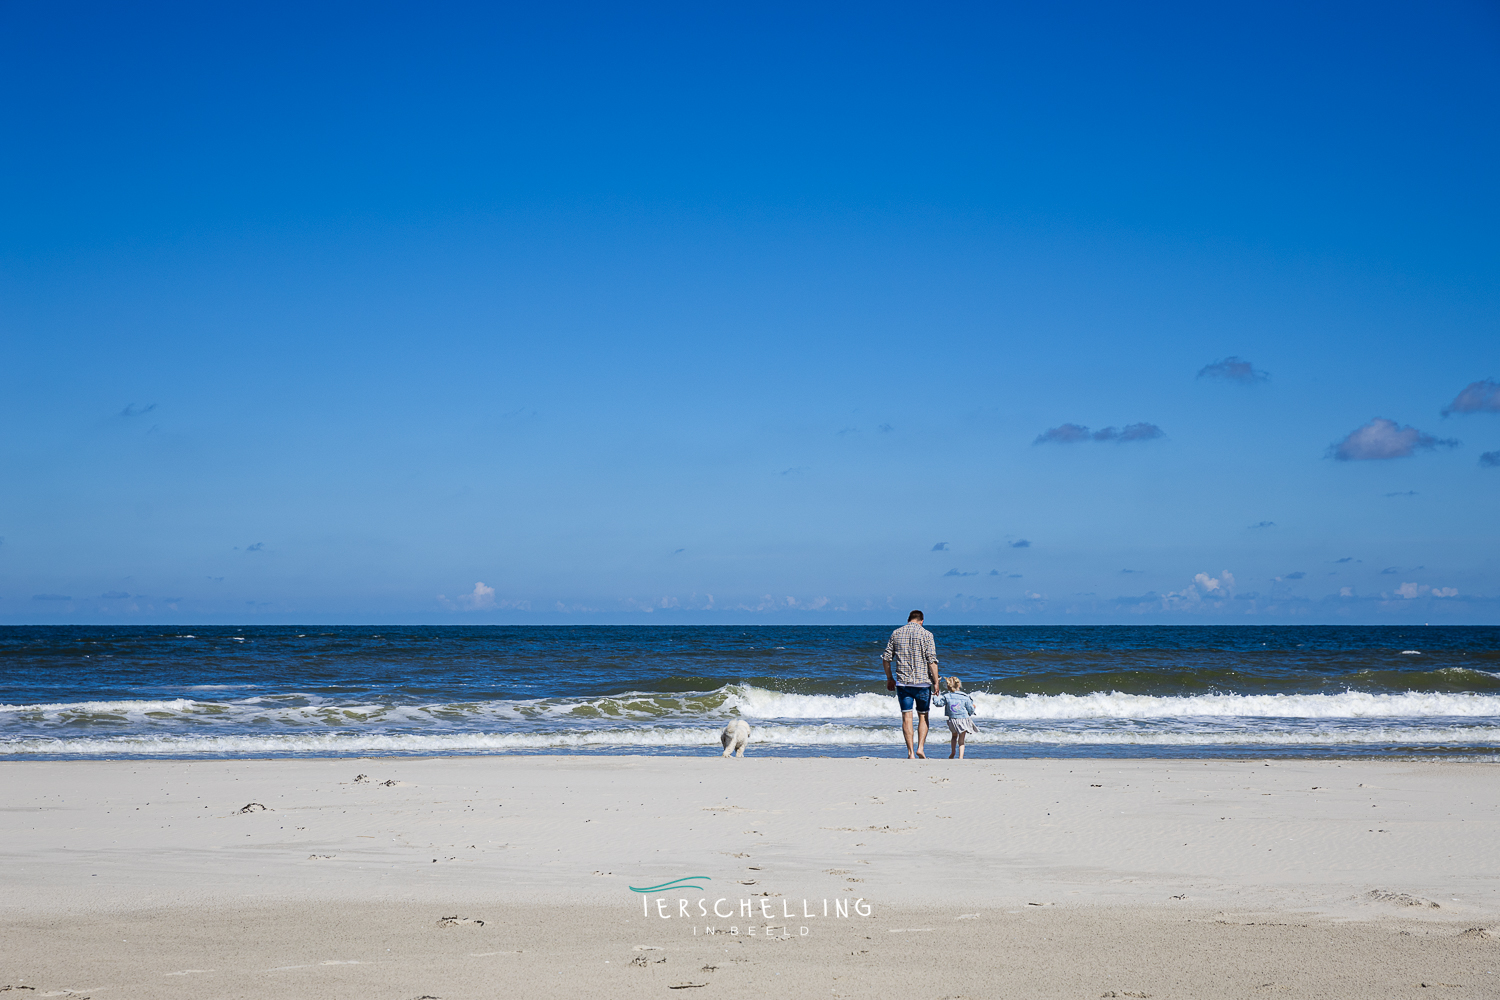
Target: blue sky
{"points": [[768, 313]]}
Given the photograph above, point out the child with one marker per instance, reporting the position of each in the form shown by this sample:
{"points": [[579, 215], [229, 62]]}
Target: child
{"points": [[959, 708]]}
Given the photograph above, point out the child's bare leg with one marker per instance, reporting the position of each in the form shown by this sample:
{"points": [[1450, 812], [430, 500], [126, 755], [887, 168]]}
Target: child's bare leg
{"points": [[960, 738], [952, 746]]}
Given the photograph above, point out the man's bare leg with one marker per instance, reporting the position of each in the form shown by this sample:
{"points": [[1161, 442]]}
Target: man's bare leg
{"points": [[906, 731], [922, 735]]}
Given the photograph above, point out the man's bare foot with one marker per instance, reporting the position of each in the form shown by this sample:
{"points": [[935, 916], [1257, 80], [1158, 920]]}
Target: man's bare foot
{"points": [[921, 755]]}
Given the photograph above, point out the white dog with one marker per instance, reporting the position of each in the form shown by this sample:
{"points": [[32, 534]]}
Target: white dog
{"points": [[734, 737]]}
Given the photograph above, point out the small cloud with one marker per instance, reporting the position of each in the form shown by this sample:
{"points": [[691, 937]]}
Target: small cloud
{"points": [[1014, 576], [1131, 432], [940, 547], [1390, 571], [994, 572], [170, 600], [1490, 459], [848, 430], [113, 595], [137, 411], [1346, 591], [1294, 576], [1478, 397], [1410, 591], [256, 547], [1223, 584], [1130, 571], [1066, 434], [1232, 369], [954, 572], [885, 428], [678, 551], [479, 598], [1381, 439], [1403, 493], [50, 597], [1261, 524], [795, 470], [1347, 559], [1020, 543], [215, 579], [1141, 432]]}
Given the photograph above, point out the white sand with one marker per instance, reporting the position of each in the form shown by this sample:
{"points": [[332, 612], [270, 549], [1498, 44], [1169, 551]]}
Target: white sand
{"points": [[982, 878]]}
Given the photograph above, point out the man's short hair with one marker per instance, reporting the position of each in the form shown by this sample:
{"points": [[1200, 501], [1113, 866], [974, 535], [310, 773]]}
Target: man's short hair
{"points": [[915, 616]]}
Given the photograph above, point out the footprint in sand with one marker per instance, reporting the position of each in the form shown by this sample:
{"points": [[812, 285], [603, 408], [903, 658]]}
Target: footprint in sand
{"points": [[459, 922], [254, 807]]}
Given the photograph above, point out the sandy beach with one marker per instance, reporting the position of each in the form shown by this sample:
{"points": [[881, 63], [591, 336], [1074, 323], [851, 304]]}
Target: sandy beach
{"points": [[477, 876]]}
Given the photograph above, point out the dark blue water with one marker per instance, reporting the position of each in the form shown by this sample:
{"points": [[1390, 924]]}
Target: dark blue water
{"points": [[1041, 691]]}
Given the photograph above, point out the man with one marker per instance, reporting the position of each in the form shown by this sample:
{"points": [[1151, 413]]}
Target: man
{"points": [[916, 677]]}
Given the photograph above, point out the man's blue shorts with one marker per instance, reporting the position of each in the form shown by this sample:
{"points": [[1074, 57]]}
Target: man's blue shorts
{"points": [[921, 697]]}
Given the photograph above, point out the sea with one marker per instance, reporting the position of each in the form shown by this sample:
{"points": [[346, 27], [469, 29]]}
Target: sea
{"points": [[106, 692]]}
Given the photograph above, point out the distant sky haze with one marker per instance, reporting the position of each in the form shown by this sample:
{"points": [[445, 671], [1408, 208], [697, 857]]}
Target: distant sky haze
{"points": [[1082, 312]]}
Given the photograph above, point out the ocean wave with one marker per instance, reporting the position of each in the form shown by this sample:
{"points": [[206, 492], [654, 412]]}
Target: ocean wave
{"points": [[737, 700], [312, 744]]}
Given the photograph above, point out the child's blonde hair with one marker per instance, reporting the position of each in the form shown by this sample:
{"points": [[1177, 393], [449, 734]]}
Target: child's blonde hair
{"points": [[954, 684]]}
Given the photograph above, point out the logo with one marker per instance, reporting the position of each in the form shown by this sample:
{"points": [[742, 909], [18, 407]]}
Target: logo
{"points": [[686, 882], [761, 917]]}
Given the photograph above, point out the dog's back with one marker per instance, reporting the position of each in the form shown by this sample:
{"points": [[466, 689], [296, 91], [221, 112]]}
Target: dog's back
{"points": [[734, 737]]}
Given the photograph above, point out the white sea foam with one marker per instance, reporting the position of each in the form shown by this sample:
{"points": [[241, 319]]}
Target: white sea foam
{"points": [[1345, 705], [750, 702], [664, 737]]}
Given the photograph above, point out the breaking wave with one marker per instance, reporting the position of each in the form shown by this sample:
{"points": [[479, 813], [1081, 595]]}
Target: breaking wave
{"points": [[740, 700]]}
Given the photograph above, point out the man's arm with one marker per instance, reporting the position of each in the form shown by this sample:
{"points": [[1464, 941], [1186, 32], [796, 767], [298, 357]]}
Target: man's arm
{"points": [[930, 648], [885, 658]]}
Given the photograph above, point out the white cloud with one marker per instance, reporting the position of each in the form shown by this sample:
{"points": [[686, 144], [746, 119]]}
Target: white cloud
{"points": [[480, 597], [1381, 439], [1412, 590], [1203, 585], [1223, 586], [1478, 397]]}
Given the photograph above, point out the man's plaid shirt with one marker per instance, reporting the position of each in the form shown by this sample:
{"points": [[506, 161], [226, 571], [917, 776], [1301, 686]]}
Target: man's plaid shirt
{"points": [[912, 648]]}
